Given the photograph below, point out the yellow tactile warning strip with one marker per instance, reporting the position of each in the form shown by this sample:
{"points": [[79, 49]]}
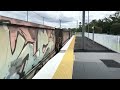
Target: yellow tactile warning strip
{"points": [[65, 68]]}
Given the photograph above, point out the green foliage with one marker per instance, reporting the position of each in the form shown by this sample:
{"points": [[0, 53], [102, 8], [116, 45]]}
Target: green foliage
{"points": [[115, 28], [98, 29], [109, 25], [76, 29]]}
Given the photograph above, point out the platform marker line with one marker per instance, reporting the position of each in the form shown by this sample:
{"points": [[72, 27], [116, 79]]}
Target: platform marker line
{"points": [[65, 68], [51, 66]]}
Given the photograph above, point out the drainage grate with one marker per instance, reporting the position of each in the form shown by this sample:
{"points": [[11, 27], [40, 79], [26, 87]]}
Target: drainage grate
{"points": [[111, 63]]}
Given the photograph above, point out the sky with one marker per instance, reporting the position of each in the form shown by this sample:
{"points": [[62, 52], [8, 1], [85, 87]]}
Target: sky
{"points": [[68, 19]]}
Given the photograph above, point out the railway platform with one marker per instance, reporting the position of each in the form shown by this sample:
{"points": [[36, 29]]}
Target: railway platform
{"points": [[72, 62]]}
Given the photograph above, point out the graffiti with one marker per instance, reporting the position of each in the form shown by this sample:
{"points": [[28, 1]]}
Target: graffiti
{"points": [[22, 48], [30, 36], [17, 67]]}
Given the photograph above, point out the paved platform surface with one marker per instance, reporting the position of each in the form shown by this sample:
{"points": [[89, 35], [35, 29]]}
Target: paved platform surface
{"points": [[88, 64], [89, 45]]}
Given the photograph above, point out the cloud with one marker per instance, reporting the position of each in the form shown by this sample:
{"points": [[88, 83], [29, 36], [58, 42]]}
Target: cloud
{"points": [[52, 18], [14, 14]]}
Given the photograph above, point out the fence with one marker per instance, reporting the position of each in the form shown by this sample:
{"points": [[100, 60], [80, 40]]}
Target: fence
{"points": [[110, 41]]}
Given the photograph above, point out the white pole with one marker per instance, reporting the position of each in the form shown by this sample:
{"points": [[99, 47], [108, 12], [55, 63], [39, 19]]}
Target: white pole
{"points": [[88, 23]]}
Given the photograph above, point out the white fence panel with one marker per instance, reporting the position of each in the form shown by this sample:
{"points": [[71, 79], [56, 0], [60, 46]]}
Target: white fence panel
{"points": [[110, 41]]}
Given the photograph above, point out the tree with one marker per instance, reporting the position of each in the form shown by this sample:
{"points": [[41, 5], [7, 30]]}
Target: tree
{"points": [[109, 25], [115, 28], [98, 29]]}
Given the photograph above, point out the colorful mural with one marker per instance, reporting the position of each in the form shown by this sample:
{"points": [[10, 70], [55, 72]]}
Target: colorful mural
{"points": [[23, 45], [21, 48]]}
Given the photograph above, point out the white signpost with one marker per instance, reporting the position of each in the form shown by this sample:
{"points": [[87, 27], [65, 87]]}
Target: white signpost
{"points": [[93, 32]]}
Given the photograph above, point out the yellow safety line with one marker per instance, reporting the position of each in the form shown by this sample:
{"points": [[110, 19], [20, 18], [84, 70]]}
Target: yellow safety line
{"points": [[65, 68]]}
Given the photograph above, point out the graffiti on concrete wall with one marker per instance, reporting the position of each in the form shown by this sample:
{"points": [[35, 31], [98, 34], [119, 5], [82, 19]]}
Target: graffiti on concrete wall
{"points": [[21, 48], [30, 36]]}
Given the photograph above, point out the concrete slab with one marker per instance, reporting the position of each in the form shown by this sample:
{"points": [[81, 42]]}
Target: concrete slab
{"points": [[87, 64], [89, 45]]}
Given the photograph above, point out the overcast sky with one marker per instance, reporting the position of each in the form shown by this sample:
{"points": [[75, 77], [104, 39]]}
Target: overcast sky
{"points": [[52, 18]]}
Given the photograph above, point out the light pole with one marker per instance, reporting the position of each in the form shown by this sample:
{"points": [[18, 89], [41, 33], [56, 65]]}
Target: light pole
{"points": [[60, 23], [27, 16], [77, 24], [80, 26], [88, 23], [83, 28], [43, 20], [93, 32]]}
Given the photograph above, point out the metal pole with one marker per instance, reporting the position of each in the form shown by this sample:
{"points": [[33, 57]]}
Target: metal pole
{"points": [[88, 23], [27, 16], [77, 24], [83, 28], [60, 24], [93, 33], [43, 20]]}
